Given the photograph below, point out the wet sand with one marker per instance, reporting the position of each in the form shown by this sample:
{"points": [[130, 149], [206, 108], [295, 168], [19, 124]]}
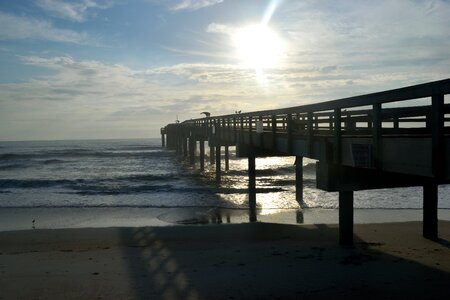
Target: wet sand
{"points": [[232, 261], [100, 217]]}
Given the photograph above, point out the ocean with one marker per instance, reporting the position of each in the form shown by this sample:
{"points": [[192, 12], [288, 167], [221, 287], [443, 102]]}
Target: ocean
{"points": [[140, 173]]}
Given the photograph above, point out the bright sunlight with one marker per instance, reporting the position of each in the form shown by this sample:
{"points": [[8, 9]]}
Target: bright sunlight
{"points": [[258, 46]]}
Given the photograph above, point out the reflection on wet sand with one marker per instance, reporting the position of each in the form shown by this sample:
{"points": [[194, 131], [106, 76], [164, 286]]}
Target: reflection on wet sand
{"points": [[200, 215]]}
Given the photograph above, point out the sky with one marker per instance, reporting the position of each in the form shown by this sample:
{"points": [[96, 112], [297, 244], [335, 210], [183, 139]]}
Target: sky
{"points": [[92, 69]]}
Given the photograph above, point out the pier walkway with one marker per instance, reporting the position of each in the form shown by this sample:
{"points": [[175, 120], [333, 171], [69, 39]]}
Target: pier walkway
{"points": [[394, 138]]}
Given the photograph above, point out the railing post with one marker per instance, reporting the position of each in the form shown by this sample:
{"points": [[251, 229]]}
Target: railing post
{"points": [[250, 121], [241, 131], [219, 128], [330, 122], [274, 132], [229, 134], [260, 136], [310, 133], [214, 138], [234, 129], [376, 136], [289, 131], [437, 135], [337, 136], [396, 123]]}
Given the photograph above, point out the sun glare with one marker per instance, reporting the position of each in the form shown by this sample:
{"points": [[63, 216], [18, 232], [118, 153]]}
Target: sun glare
{"points": [[258, 46]]}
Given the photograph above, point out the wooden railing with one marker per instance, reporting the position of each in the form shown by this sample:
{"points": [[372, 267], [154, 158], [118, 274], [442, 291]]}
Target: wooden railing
{"points": [[360, 115]]}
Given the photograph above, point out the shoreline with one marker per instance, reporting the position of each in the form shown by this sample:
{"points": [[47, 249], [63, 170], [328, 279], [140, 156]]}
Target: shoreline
{"points": [[100, 217], [237, 261]]}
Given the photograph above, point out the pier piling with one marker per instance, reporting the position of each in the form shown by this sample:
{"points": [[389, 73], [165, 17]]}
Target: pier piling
{"points": [[346, 217], [211, 155], [185, 146], [218, 164], [192, 143], [430, 202], [252, 188], [227, 159], [299, 179], [202, 155]]}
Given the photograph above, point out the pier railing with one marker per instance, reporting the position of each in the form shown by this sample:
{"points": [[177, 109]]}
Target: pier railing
{"points": [[360, 115]]}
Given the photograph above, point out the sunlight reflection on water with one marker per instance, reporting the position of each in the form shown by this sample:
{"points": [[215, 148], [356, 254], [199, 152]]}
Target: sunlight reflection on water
{"points": [[275, 184]]}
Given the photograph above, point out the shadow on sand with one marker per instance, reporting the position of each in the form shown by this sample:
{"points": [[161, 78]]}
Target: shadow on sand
{"points": [[271, 261]]}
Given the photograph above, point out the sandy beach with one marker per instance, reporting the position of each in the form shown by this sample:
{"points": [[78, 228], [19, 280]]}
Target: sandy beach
{"points": [[232, 261]]}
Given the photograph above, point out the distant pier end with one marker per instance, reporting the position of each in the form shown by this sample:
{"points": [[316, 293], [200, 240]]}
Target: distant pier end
{"points": [[378, 140]]}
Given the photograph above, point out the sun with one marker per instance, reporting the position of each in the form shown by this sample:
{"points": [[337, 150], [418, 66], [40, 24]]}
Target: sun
{"points": [[258, 46]]}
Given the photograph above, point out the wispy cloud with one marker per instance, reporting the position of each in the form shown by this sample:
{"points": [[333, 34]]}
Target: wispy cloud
{"points": [[195, 4], [220, 28], [17, 27], [75, 11]]}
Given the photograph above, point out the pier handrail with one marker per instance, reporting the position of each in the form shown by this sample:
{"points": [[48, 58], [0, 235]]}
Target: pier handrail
{"points": [[441, 87]]}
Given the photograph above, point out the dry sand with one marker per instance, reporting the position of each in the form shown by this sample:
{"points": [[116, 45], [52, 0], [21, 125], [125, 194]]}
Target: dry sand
{"points": [[232, 261]]}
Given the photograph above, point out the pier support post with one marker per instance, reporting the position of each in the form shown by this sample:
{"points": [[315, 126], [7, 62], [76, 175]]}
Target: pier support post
{"points": [[185, 147], [202, 155], [211, 155], [346, 217], [299, 178], [227, 159], [252, 188], [163, 140], [177, 145], [191, 150], [218, 172], [430, 202]]}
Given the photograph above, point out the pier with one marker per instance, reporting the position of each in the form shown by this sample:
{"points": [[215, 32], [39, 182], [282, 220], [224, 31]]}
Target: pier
{"points": [[381, 140]]}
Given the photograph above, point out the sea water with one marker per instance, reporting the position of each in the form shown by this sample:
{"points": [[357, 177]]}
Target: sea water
{"points": [[140, 173]]}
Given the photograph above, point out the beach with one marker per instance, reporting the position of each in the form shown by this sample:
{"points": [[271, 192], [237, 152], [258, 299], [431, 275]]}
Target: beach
{"points": [[123, 219], [228, 261]]}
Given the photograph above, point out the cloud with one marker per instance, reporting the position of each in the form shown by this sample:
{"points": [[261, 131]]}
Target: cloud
{"points": [[207, 73], [92, 86], [74, 11], [195, 4], [14, 27], [83, 98], [220, 28]]}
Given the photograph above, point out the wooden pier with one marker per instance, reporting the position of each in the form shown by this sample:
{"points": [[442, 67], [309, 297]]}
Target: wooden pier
{"points": [[379, 140]]}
